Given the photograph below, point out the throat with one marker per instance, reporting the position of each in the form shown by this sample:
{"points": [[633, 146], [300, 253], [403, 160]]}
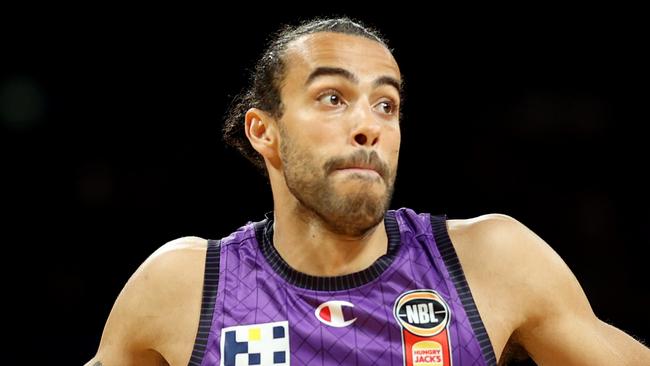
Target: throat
{"points": [[321, 255], [318, 265]]}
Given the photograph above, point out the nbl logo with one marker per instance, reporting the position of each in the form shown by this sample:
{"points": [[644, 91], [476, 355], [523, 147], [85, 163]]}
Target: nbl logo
{"points": [[424, 317]]}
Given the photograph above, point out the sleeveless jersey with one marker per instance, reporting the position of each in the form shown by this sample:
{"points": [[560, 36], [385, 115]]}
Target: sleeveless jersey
{"points": [[412, 306]]}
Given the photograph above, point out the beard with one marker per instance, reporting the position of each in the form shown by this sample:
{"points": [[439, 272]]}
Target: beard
{"points": [[351, 210]]}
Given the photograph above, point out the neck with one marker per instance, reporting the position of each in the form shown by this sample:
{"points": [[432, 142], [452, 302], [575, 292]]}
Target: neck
{"points": [[309, 246]]}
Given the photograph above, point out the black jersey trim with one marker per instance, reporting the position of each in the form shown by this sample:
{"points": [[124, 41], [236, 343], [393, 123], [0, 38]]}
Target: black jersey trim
{"points": [[264, 234], [210, 287], [446, 248]]}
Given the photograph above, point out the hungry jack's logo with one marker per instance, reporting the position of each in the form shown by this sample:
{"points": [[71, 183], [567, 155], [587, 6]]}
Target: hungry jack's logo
{"points": [[424, 318]]}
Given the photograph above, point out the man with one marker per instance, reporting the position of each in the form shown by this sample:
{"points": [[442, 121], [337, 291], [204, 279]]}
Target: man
{"points": [[332, 276]]}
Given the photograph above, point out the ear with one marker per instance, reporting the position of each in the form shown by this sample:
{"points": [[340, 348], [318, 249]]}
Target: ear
{"points": [[261, 130]]}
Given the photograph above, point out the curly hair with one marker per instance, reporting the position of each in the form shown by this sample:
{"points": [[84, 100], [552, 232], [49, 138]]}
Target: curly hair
{"points": [[269, 72]]}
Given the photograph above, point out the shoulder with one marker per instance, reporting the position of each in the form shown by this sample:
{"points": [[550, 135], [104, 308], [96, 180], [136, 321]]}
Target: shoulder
{"points": [[511, 253], [160, 303], [171, 278], [499, 238], [494, 242], [173, 264], [493, 224], [172, 268], [176, 255], [513, 272]]}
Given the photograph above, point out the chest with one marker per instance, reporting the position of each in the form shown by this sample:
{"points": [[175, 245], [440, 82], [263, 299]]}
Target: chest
{"points": [[409, 312]]}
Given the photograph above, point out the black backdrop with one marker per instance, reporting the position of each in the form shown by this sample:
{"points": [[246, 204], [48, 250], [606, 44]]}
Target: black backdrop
{"points": [[111, 147]]}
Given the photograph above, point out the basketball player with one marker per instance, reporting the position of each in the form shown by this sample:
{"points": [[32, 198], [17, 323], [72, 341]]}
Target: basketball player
{"points": [[332, 277]]}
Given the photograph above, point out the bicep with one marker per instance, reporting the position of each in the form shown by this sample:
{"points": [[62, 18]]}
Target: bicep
{"points": [[115, 357], [561, 327], [126, 337], [570, 340]]}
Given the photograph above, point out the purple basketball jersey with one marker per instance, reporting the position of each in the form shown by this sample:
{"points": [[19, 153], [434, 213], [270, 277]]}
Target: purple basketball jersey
{"points": [[411, 307]]}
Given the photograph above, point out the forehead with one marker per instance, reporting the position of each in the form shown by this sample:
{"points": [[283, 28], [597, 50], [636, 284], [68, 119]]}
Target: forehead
{"points": [[365, 58]]}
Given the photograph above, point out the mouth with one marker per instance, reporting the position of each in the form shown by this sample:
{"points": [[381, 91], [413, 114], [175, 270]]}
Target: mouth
{"points": [[361, 164], [359, 170]]}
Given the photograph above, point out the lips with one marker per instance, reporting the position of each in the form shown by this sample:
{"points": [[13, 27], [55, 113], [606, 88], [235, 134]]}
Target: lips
{"points": [[357, 167], [363, 170], [363, 162]]}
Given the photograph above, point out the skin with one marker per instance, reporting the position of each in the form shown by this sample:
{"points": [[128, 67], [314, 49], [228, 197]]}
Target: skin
{"points": [[526, 295]]}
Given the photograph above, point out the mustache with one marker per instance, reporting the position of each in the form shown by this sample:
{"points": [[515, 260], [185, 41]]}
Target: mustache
{"points": [[360, 158]]}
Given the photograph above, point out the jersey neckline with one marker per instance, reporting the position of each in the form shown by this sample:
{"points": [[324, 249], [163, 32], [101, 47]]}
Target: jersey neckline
{"points": [[264, 236]]}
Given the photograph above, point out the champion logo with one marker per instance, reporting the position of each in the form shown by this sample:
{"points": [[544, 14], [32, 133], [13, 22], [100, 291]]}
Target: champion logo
{"points": [[331, 313]]}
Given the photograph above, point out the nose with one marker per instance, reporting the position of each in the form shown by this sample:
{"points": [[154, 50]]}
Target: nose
{"points": [[367, 129]]}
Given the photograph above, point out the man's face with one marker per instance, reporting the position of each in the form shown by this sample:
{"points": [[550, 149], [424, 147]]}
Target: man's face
{"points": [[340, 133]]}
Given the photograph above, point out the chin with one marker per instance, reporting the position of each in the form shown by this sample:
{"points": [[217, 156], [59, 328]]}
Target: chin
{"points": [[357, 214], [357, 226]]}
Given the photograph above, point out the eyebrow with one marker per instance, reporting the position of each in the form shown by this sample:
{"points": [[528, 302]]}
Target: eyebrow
{"points": [[388, 80], [337, 71]]}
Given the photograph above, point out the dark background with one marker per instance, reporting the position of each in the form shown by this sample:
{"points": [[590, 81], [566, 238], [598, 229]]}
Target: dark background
{"points": [[109, 133]]}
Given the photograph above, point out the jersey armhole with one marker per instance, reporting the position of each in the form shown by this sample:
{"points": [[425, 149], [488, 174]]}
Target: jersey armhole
{"points": [[449, 256], [210, 287]]}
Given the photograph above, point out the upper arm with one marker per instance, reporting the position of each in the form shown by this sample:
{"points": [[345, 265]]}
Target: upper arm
{"points": [[148, 310], [561, 327], [581, 340], [557, 324]]}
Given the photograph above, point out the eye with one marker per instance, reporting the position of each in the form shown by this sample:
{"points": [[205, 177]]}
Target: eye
{"points": [[387, 107], [330, 98]]}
